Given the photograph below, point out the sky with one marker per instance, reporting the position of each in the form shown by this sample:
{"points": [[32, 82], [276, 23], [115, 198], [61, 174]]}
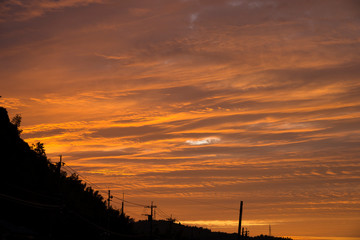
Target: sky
{"points": [[197, 105]]}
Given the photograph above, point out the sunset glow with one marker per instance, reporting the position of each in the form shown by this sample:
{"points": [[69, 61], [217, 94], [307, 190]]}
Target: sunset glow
{"points": [[196, 105]]}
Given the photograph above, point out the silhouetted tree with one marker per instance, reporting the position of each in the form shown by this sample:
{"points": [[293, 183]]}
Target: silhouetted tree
{"points": [[16, 121], [39, 149]]}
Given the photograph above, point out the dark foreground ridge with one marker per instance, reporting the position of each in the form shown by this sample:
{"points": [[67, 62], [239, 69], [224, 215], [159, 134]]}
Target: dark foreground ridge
{"points": [[39, 201]]}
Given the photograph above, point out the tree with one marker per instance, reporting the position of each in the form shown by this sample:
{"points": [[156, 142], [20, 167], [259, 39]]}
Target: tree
{"points": [[16, 121], [39, 148]]}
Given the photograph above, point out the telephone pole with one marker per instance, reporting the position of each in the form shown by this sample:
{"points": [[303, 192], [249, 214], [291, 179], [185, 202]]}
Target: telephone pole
{"points": [[122, 205], [240, 219], [58, 172], [269, 230], [108, 211], [58, 166], [109, 199], [60, 163], [59, 192], [151, 217]]}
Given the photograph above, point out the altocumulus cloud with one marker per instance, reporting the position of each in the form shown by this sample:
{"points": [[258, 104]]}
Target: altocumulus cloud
{"points": [[203, 141]]}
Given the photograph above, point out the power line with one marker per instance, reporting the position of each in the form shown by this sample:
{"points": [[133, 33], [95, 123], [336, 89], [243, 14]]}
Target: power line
{"points": [[163, 213], [102, 228], [86, 180], [154, 192], [133, 203], [32, 192], [133, 213], [193, 200], [69, 169], [30, 203]]}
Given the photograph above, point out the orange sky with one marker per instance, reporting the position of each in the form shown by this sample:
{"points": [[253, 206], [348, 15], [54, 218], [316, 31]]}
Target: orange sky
{"points": [[196, 105]]}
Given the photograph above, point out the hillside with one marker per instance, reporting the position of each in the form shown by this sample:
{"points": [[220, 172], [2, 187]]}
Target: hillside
{"points": [[38, 201]]}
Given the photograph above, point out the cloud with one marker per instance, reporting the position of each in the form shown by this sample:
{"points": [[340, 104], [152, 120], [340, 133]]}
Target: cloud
{"points": [[193, 17], [11, 103], [44, 133], [236, 3], [24, 10], [204, 141], [125, 131]]}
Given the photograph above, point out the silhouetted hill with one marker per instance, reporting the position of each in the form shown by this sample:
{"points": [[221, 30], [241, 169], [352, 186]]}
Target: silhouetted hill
{"points": [[38, 201]]}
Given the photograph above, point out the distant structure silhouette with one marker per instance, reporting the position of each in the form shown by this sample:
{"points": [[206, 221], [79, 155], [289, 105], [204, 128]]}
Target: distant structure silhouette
{"points": [[240, 219]]}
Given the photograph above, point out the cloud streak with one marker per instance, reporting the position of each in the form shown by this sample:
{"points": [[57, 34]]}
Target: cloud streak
{"points": [[204, 141], [24, 10]]}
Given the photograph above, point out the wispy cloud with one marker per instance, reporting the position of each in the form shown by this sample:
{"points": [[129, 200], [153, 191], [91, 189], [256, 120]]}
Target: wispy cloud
{"points": [[23, 10], [203, 141], [193, 17], [11, 103]]}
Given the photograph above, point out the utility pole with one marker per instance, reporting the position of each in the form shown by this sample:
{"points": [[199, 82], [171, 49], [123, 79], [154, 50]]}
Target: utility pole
{"points": [[108, 210], [60, 163], [171, 220], [122, 205], [269, 230], [60, 193], [58, 166], [58, 172], [151, 217], [109, 199], [240, 219]]}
